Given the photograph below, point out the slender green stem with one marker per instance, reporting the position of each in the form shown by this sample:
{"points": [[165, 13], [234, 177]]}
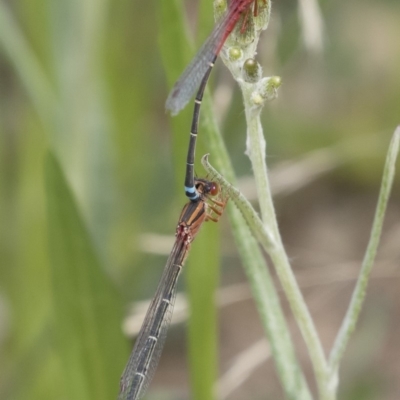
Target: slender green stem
{"points": [[255, 91], [358, 296], [256, 150]]}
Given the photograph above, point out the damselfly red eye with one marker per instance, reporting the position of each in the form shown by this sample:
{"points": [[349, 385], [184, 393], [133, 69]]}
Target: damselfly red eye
{"points": [[214, 188]]}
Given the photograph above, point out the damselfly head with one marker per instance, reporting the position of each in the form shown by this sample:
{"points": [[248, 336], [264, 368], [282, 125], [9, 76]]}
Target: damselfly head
{"points": [[205, 187]]}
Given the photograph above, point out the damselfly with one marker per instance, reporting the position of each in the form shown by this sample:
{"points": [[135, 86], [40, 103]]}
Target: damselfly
{"points": [[147, 350], [197, 74], [204, 60]]}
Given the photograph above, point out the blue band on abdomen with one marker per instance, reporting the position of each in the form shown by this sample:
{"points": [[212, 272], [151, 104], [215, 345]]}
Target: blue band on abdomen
{"points": [[191, 192], [190, 189]]}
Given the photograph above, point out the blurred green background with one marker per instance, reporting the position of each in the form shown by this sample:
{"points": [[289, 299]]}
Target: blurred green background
{"points": [[85, 81]]}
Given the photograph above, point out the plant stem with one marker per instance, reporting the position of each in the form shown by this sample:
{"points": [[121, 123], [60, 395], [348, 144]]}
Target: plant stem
{"points": [[256, 150]]}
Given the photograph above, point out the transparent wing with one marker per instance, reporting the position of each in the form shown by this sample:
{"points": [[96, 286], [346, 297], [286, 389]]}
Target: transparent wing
{"points": [[146, 353], [190, 79]]}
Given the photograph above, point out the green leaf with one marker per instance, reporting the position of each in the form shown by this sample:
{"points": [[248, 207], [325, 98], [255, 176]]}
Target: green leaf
{"points": [[87, 307]]}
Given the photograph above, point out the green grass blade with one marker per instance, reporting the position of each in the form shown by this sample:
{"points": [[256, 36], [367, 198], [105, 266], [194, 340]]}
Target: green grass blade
{"points": [[202, 281], [86, 305], [359, 293]]}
